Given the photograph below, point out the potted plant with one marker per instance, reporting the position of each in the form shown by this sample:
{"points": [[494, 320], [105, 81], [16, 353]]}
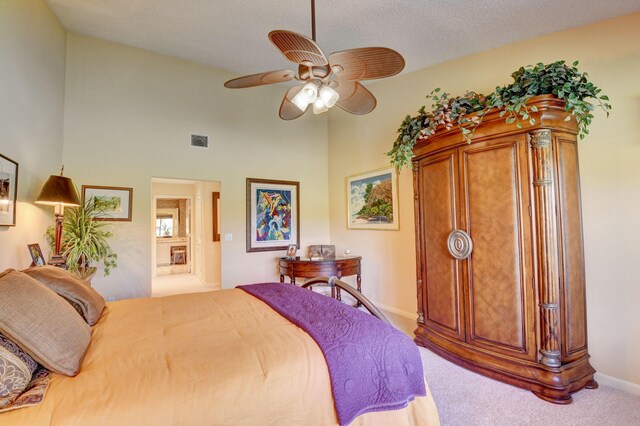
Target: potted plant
{"points": [[467, 111], [84, 239]]}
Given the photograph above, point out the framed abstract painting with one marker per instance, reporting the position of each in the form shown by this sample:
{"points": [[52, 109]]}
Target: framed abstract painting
{"points": [[273, 214], [115, 203], [372, 200], [8, 191]]}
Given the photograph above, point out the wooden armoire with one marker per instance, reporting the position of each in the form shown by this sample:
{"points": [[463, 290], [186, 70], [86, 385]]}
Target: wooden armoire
{"points": [[500, 263]]}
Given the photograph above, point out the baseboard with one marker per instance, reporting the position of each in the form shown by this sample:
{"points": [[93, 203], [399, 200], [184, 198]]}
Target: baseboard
{"points": [[400, 312], [623, 385]]}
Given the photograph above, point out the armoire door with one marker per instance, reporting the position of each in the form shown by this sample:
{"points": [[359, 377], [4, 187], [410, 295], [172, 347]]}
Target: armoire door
{"points": [[494, 196], [440, 273]]}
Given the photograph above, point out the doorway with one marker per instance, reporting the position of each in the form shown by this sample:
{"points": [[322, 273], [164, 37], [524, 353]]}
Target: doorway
{"points": [[185, 250]]}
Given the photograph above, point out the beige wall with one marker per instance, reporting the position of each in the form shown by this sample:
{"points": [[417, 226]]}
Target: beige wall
{"points": [[128, 115], [609, 51], [32, 72]]}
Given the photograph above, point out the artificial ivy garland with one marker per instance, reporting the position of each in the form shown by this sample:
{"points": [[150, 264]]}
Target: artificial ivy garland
{"points": [[467, 111]]}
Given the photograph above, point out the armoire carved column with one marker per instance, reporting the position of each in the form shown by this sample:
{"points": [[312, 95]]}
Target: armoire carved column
{"points": [[416, 205], [546, 269]]}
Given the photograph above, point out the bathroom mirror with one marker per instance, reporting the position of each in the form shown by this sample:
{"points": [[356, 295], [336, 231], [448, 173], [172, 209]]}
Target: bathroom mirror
{"points": [[167, 223]]}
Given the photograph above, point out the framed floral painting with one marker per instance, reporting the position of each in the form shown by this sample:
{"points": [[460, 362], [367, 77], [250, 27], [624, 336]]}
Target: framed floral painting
{"points": [[273, 215], [372, 200]]}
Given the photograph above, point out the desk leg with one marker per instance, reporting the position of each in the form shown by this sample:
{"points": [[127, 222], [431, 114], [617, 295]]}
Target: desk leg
{"points": [[281, 278], [359, 288]]}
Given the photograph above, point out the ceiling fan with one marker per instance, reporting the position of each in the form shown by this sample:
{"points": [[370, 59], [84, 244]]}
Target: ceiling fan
{"points": [[324, 82]]}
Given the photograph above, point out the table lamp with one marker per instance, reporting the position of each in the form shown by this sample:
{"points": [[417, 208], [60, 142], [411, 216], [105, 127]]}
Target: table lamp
{"points": [[58, 191]]}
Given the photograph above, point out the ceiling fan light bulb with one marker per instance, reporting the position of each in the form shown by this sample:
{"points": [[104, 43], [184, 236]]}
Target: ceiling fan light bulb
{"points": [[329, 96], [319, 106], [310, 91], [300, 101]]}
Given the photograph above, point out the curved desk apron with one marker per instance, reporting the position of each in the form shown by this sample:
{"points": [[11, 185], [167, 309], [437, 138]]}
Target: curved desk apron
{"points": [[307, 268]]}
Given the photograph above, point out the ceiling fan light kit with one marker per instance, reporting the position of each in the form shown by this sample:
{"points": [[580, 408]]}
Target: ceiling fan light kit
{"points": [[325, 82]]}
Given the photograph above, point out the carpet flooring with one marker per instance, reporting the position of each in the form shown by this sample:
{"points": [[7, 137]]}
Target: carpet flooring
{"points": [[465, 398]]}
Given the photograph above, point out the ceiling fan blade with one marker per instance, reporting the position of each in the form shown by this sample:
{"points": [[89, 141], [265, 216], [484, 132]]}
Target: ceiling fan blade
{"points": [[366, 63], [354, 97], [288, 110], [260, 79], [298, 48]]}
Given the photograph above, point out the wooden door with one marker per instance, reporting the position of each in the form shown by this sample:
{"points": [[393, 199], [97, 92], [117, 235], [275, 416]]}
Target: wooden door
{"points": [[495, 213], [440, 273]]}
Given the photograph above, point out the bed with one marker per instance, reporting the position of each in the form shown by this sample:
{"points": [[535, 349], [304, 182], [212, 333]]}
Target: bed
{"points": [[216, 358]]}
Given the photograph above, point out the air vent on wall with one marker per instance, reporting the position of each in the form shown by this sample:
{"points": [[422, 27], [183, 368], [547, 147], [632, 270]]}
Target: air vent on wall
{"points": [[199, 141]]}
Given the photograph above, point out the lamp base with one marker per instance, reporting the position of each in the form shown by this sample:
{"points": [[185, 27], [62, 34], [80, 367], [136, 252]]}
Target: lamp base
{"points": [[58, 261]]}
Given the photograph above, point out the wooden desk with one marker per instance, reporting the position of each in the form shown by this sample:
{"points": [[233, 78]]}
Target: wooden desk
{"points": [[307, 268]]}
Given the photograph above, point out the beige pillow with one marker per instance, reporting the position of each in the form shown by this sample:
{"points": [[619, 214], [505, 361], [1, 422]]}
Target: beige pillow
{"points": [[43, 324], [78, 293]]}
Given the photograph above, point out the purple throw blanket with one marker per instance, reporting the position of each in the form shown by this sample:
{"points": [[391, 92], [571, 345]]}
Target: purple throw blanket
{"points": [[373, 366]]}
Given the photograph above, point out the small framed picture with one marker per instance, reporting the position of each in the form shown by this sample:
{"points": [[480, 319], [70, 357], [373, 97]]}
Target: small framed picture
{"points": [[291, 251], [328, 251], [315, 252], [36, 254], [115, 203]]}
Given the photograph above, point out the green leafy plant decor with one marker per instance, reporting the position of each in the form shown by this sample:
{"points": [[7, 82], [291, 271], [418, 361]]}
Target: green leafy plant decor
{"points": [[467, 111], [84, 239]]}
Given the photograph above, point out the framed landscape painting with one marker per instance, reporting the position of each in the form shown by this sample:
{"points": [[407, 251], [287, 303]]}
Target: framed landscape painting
{"points": [[273, 215], [8, 191], [372, 200], [115, 202]]}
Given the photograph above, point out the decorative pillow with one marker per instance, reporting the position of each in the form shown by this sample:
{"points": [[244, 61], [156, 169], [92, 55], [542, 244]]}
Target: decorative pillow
{"points": [[16, 370], [34, 393], [78, 293], [43, 324]]}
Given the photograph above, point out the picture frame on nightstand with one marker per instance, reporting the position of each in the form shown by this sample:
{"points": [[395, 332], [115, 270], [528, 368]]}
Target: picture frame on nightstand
{"points": [[291, 252], [36, 255]]}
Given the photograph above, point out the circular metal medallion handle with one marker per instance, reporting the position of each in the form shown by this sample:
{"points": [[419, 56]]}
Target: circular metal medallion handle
{"points": [[459, 244]]}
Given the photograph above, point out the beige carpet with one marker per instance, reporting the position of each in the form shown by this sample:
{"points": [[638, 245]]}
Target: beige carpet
{"points": [[466, 398]]}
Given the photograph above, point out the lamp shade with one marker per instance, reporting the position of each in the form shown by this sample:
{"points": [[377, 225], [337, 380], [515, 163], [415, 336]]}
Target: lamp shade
{"points": [[58, 190]]}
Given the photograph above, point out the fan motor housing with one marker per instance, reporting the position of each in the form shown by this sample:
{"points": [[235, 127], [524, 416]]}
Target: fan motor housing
{"points": [[319, 71]]}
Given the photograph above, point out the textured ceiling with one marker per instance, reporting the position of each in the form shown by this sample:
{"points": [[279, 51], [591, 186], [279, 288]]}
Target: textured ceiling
{"points": [[232, 34]]}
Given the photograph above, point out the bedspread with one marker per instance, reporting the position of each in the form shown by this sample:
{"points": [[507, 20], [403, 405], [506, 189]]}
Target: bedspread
{"points": [[373, 366], [216, 358]]}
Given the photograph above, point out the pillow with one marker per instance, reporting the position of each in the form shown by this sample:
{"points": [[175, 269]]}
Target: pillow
{"points": [[42, 323], [78, 293], [16, 370]]}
